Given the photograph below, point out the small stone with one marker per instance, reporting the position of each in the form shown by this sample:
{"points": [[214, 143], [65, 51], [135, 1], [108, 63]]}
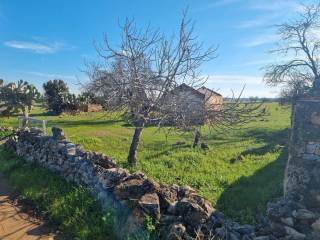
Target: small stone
{"points": [[316, 225], [192, 213], [310, 148], [175, 231], [58, 134], [310, 157], [317, 151], [294, 234], [262, 238], [303, 214], [234, 236], [315, 118], [245, 229], [150, 204], [288, 221]]}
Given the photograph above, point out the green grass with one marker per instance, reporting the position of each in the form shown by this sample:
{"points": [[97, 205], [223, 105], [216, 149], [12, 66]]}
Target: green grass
{"points": [[239, 174], [71, 207]]}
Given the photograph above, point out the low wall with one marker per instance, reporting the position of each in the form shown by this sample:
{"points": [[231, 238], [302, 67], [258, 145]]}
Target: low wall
{"points": [[178, 211]]}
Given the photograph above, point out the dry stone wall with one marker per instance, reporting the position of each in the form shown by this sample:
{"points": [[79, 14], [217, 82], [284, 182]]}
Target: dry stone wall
{"points": [[179, 213], [297, 214]]}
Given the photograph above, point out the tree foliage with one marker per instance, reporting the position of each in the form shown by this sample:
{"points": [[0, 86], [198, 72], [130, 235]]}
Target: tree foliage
{"points": [[57, 95]]}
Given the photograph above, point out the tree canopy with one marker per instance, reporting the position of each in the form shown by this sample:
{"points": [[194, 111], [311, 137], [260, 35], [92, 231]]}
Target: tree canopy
{"points": [[15, 97]]}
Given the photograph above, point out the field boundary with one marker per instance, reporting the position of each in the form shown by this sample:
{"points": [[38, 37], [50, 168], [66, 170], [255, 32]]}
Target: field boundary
{"points": [[139, 202]]}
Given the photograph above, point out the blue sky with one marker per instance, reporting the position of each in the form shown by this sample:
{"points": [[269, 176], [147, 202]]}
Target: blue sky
{"points": [[42, 40]]}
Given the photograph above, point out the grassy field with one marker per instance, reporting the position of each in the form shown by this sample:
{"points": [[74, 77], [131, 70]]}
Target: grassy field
{"points": [[240, 172]]}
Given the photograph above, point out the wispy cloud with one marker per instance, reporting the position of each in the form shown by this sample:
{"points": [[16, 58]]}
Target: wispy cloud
{"points": [[261, 40], [216, 3], [52, 75], [264, 20], [275, 5], [36, 47], [273, 11], [231, 85], [234, 79], [224, 2]]}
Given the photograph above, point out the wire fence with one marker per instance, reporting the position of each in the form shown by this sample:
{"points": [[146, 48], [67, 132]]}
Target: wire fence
{"points": [[33, 123]]}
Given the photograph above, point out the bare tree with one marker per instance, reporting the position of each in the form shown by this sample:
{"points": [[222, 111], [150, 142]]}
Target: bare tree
{"points": [[136, 76], [300, 43]]}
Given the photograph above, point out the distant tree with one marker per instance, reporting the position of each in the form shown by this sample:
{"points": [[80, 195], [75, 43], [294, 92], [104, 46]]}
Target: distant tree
{"points": [[87, 97], [300, 43], [15, 97], [135, 77], [56, 94]]}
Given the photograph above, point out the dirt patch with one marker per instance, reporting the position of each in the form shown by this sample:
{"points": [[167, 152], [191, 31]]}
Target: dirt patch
{"points": [[21, 220]]}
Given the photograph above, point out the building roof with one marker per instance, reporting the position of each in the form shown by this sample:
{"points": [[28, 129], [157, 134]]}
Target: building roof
{"points": [[185, 87], [202, 92], [208, 92]]}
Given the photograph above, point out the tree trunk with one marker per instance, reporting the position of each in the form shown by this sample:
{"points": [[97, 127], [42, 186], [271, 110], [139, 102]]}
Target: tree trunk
{"points": [[316, 84], [196, 139], [132, 159], [26, 117]]}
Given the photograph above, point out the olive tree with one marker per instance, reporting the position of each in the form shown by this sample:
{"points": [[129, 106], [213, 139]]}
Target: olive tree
{"points": [[135, 76]]}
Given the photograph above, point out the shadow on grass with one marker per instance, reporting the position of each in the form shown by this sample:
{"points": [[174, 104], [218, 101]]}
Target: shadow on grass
{"points": [[248, 196], [167, 151], [77, 123], [272, 140], [268, 136]]}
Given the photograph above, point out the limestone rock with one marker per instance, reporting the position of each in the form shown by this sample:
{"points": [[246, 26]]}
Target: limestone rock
{"points": [[150, 205], [58, 134], [110, 177], [288, 221], [134, 187], [192, 213], [167, 195], [303, 214], [175, 231], [316, 225], [295, 235]]}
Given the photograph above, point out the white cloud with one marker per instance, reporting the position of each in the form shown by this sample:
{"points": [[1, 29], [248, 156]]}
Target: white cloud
{"points": [[224, 2], [229, 85], [273, 12], [261, 40], [37, 47], [235, 79], [275, 5], [263, 20], [53, 76]]}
